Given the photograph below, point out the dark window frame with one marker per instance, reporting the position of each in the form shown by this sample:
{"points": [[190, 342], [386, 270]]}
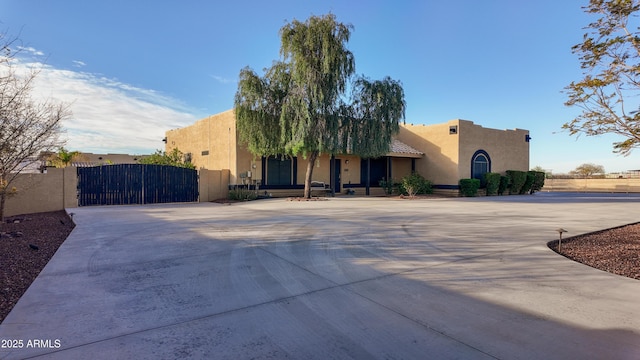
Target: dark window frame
{"points": [[474, 160]]}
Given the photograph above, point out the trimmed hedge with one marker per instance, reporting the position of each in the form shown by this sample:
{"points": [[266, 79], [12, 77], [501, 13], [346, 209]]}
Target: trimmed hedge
{"points": [[517, 180], [526, 188], [504, 184], [493, 183], [469, 187], [538, 182]]}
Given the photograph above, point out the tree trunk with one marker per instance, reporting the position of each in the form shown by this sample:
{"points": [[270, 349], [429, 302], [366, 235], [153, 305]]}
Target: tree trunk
{"points": [[308, 176], [3, 197]]}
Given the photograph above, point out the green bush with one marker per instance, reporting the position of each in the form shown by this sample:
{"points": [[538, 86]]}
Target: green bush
{"points": [[504, 184], [388, 186], [516, 180], [528, 183], [469, 187], [538, 183], [493, 183], [415, 184], [242, 194]]}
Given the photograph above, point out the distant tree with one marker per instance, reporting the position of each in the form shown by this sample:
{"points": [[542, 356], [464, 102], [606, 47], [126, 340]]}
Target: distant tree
{"points": [[538, 168], [64, 157], [28, 127], [173, 158], [587, 170], [300, 106], [610, 57]]}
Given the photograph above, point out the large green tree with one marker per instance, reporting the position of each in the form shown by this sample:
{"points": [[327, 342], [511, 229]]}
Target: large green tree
{"points": [[302, 106], [608, 92]]}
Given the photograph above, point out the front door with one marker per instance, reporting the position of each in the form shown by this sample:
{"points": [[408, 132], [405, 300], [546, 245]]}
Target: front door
{"points": [[336, 173]]}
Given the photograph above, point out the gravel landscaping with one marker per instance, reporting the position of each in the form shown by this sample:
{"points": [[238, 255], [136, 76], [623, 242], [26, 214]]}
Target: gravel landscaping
{"points": [[27, 242], [614, 250]]}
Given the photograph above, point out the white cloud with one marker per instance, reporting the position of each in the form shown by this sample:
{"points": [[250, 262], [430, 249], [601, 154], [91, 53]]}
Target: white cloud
{"points": [[222, 80], [78, 63], [30, 50], [110, 116]]}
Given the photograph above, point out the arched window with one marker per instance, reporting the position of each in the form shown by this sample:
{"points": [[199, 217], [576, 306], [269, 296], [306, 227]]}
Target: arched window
{"points": [[480, 164]]}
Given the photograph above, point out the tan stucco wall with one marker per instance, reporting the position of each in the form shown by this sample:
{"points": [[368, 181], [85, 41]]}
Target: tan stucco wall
{"points": [[440, 161], [52, 191], [448, 156], [593, 185], [507, 149], [216, 135], [350, 173], [213, 184], [401, 167]]}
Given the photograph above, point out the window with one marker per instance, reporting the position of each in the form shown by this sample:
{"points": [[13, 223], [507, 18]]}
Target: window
{"points": [[480, 165], [278, 170]]}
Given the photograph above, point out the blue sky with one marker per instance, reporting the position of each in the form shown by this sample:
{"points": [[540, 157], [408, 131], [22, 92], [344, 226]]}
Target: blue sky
{"points": [[134, 69]]}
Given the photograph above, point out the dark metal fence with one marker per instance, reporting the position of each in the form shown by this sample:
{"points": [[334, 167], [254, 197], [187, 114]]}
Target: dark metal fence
{"points": [[136, 184]]}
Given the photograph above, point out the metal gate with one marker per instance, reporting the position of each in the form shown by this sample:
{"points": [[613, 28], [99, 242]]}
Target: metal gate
{"points": [[136, 184]]}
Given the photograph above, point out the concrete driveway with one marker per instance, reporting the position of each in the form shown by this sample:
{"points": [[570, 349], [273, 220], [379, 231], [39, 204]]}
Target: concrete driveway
{"points": [[344, 278]]}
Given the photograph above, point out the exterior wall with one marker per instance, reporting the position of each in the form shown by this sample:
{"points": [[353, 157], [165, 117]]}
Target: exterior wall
{"points": [[440, 162], [52, 191], [401, 167], [211, 141], [350, 169], [448, 155], [213, 184], [57, 190], [593, 185], [507, 149]]}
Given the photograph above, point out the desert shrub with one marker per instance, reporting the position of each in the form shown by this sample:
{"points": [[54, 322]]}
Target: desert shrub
{"points": [[415, 184], [493, 183], [538, 182], [504, 184], [469, 187], [516, 180], [388, 186], [526, 187], [242, 194]]}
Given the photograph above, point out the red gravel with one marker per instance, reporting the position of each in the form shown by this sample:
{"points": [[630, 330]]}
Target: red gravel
{"points": [[19, 263], [614, 250]]}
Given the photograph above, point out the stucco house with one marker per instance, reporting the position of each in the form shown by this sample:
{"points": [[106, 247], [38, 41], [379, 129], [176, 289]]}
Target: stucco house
{"points": [[442, 153]]}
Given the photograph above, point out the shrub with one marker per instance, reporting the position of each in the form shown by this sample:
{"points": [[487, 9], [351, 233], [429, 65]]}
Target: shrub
{"points": [[504, 184], [469, 187], [526, 187], [415, 184], [538, 182], [388, 186], [242, 194], [516, 180], [493, 183]]}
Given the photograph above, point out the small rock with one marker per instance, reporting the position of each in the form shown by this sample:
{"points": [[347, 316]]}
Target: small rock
{"points": [[33, 247]]}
